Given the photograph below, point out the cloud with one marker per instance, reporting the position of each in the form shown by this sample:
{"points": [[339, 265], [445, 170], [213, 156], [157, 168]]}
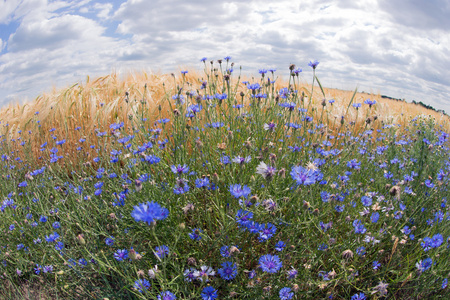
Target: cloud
{"points": [[370, 43], [418, 14]]}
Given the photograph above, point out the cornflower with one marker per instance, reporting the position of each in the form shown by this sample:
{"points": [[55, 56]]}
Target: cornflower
{"points": [[204, 273], [209, 293], [266, 171], [228, 270], [167, 295], [141, 285], [149, 212], [270, 263], [161, 251], [121, 254], [286, 294]]}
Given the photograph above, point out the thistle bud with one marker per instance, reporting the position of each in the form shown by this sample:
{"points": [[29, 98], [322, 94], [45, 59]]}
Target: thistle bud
{"points": [[81, 240]]}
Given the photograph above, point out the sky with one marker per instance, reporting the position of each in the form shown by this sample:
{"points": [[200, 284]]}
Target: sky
{"points": [[396, 48]]}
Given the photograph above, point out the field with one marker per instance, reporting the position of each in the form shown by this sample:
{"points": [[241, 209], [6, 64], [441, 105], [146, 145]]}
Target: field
{"points": [[212, 185]]}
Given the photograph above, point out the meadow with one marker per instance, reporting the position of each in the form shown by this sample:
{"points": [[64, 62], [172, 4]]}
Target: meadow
{"points": [[213, 185]]}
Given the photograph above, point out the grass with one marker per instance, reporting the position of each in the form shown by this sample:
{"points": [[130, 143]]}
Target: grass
{"points": [[199, 183]]}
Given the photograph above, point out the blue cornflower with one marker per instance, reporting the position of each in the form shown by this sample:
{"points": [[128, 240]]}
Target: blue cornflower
{"points": [[43, 219], [203, 59], [228, 270], [376, 265], [280, 246], [82, 262], [286, 294], [109, 241], [254, 86], [52, 237], [444, 283], [121, 254], [424, 265], [149, 212], [359, 227], [360, 296], [356, 105], [141, 285], [361, 250], [59, 246], [195, 234], [209, 293], [436, 240], [166, 296], [366, 201], [354, 164], [238, 191], [267, 232], [374, 217], [370, 102], [426, 244], [323, 247], [161, 251], [305, 176], [224, 251], [270, 263], [202, 182]]}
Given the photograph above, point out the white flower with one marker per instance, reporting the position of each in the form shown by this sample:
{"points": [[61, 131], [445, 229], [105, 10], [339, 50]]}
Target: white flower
{"points": [[266, 171]]}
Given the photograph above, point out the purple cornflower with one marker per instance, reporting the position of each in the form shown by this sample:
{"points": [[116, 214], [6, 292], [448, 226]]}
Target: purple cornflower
{"points": [[204, 273], [266, 171], [149, 212], [121, 254], [241, 160], [47, 269], [141, 285], [209, 293], [180, 169], [313, 64], [228, 270], [166, 296], [237, 191], [270, 263], [109, 241], [189, 274], [286, 294], [292, 273], [161, 251]]}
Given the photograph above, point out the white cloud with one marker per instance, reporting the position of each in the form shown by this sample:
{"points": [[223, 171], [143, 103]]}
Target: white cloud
{"points": [[371, 43]]}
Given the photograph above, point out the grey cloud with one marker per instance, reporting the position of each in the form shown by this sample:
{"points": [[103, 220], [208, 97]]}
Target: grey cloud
{"points": [[419, 14]]}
